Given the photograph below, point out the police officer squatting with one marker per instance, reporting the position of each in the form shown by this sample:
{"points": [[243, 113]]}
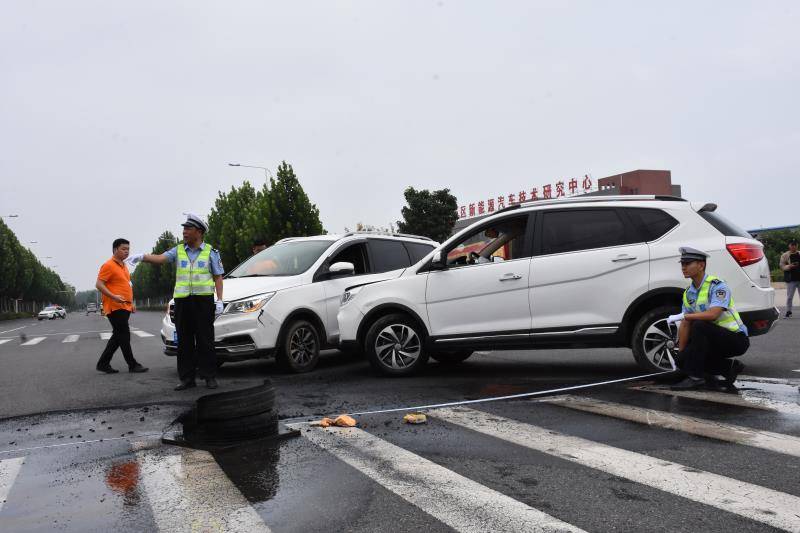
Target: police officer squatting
{"points": [[710, 331], [198, 276]]}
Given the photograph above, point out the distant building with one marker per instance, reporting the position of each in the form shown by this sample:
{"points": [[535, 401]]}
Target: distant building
{"points": [[634, 182]]}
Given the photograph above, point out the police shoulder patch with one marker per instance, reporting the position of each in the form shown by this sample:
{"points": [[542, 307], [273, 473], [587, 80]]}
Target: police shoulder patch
{"points": [[721, 293]]}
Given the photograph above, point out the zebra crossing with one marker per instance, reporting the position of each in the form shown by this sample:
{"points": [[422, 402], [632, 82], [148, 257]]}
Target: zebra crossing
{"points": [[67, 338], [188, 490]]}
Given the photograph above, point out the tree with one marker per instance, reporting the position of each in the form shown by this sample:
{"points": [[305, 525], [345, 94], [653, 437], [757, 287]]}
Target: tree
{"points": [[156, 281], [290, 213], [431, 214], [775, 243], [236, 220]]}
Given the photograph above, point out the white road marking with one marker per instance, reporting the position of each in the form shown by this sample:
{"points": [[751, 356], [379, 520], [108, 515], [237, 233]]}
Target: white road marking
{"points": [[745, 398], [33, 341], [3, 341], [766, 440], [140, 333], [105, 335], [744, 499], [9, 468], [71, 338], [10, 330], [459, 502], [190, 492], [798, 370], [777, 381]]}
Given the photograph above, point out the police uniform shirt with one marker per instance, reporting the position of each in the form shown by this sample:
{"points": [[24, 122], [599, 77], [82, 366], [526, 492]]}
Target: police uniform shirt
{"points": [[719, 295], [215, 263]]}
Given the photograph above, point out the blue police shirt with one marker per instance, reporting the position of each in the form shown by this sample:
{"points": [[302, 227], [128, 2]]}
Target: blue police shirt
{"points": [[213, 259], [719, 295]]}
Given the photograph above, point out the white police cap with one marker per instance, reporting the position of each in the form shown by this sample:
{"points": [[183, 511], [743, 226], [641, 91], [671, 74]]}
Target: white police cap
{"points": [[689, 254], [194, 221]]}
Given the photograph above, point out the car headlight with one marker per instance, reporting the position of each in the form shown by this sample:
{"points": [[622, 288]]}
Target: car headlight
{"points": [[248, 305], [350, 295]]}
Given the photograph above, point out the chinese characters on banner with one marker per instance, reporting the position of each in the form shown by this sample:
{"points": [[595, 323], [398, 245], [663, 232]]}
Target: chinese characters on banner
{"points": [[560, 189]]}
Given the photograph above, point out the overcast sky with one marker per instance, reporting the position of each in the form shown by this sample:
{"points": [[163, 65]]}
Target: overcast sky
{"points": [[115, 120]]}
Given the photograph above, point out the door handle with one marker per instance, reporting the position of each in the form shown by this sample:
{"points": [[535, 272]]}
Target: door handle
{"points": [[510, 277], [623, 258]]}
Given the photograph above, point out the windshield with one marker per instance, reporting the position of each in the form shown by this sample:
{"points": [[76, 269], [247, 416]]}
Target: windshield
{"points": [[50, 308], [286, 259]]}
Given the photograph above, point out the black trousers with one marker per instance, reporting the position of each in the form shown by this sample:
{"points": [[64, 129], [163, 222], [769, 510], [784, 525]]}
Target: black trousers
{"points": [[194, 322], [120, 338], [710, 348]]}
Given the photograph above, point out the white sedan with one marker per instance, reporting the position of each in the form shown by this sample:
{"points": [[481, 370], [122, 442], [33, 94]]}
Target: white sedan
{"points": [[52, 312]]}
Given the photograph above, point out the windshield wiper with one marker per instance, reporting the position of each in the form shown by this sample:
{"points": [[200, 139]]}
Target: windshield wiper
{"points": [[250, 276]]}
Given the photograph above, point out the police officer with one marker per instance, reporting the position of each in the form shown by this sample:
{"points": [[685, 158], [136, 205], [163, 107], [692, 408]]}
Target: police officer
{"points": [[710, 330], [198, 275]]}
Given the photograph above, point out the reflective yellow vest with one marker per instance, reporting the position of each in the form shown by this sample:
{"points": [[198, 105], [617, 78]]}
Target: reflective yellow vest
{"points": [[729, 319], [193, 278]]}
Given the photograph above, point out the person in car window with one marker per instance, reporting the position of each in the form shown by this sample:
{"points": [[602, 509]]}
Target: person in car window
{"points": [[198, 275], [710, 330], [790, 264]]}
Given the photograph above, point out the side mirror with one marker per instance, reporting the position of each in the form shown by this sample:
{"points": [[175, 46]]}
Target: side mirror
{"points": [[341, 269], [437, 261]]}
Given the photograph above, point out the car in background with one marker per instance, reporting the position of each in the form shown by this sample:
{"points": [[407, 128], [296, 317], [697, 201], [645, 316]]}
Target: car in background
{"points": [[283, 301], [91, 307], [51, 312], [585, 272]]}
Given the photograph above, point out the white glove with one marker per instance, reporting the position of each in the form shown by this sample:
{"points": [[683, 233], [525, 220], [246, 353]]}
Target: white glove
{"points": [[134, 259], [218, 307], [672, 319]]}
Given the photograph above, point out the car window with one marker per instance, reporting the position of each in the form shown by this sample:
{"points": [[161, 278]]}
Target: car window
{"points": [[723, 225], [501, 241], [651, 223], [354, 253], [582, 229], [417, 250], [388, 255], [282, 259]]}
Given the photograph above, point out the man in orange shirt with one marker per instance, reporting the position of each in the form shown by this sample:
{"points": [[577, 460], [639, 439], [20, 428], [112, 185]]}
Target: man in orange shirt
{"points": [[114, 281]]}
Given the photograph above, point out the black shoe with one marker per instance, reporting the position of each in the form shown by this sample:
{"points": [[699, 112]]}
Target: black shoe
{"points": [[788, 314], [690, 383], [211, 383], [138, 368], [186, 385], [671, 378], [107, 369], [736, 369]]}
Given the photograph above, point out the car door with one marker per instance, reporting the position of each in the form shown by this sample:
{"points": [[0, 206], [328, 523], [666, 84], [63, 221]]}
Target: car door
{"points": [[374, 259], [482, 293], [588, 266]]}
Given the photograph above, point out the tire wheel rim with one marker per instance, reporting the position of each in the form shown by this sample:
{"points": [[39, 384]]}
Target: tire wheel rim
{"points": [[397, 346], [302, 346], [660, 344]]}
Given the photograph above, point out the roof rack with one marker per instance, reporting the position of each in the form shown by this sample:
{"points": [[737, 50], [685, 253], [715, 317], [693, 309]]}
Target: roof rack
{"points": [[387, 234], [587, 198]]}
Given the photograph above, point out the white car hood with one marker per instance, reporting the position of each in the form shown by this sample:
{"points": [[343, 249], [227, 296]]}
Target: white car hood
{"points": [[238, 288]]}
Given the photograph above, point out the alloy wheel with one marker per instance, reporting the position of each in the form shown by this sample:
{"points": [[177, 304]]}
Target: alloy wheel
{"points": [[397, 346], [302, 346], [660, 344]]}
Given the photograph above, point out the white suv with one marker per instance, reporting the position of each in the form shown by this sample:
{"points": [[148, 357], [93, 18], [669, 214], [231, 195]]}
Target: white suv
{"points": [[283, 301], [51, 312], [580, 272]]}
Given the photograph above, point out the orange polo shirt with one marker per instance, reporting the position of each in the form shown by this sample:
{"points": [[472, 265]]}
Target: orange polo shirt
{"points": [[118, 280]]}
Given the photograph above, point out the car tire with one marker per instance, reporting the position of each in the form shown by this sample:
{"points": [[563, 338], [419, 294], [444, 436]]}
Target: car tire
{"points": [[452, 358], [231, 430], [298, 352], [651, 342], [236, 404], [395, 345]]}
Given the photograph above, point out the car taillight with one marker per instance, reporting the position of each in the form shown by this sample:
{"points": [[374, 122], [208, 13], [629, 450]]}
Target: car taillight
{"points": [[746, 254]]}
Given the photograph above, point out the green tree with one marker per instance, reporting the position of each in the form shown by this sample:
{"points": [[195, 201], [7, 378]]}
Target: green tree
{"points": [[235, 221], [290, 213], [431, 214], [775, 243], [155, 281]]}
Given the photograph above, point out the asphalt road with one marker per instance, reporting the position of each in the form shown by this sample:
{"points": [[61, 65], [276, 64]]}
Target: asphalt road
{"points": [[601, 459]]}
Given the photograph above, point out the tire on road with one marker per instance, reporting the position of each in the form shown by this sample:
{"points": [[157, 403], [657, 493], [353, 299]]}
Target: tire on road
{"points": [[650, 341], [452, 358], [236, 404], [395, 345], [298, 351], [233, 430]]}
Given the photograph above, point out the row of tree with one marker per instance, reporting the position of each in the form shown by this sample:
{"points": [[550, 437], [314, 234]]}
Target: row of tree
{"points": [[776, 243], [23, 277]]}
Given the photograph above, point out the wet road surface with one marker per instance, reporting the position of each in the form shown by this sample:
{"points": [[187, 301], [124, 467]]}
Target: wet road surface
{"points": [[624, 457]]}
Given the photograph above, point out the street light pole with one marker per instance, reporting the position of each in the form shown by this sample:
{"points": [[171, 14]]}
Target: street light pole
{"points": [[267, 173]]}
